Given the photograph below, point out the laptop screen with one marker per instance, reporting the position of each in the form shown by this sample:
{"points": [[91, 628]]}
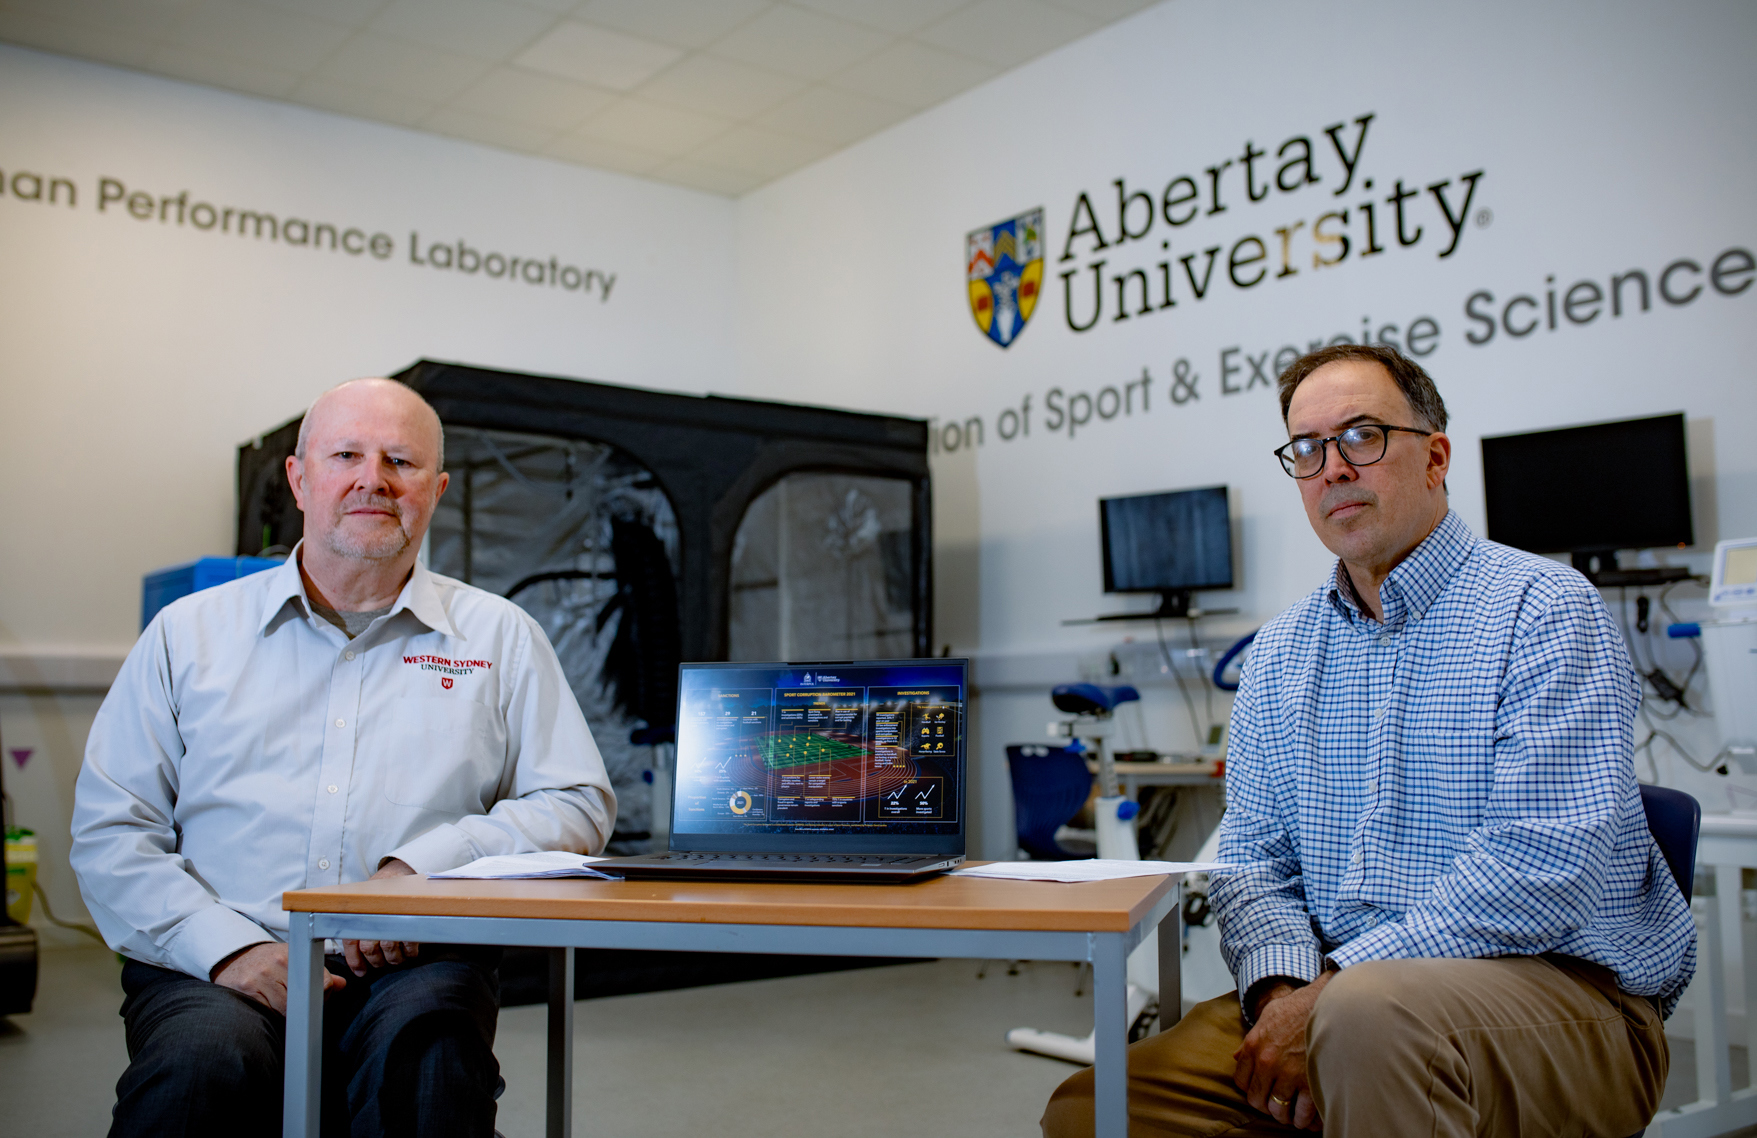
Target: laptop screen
{"points": [[833, 757]]}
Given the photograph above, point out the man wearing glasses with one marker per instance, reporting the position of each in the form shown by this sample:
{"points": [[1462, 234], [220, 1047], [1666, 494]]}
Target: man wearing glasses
{"points": [[1444, 910]]}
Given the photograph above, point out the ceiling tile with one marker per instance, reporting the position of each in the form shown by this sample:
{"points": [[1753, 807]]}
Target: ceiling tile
{"points": [[362, 102], [156, 20], [354, 13], [648, 126], [223, 71], [604, 155], [488, 130], [596, 55], [538, 100], [720, 87], [913, 74], [481, 29], [833, 116], [1006, 33], [699, 176], [796, 42], [263, 36], [683, 23], [900, 17], [752, 150], [27, 29], [372, 60], [1104, 11]]}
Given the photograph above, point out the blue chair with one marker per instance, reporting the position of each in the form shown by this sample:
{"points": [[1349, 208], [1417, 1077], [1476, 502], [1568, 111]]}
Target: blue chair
{"points": [[1050, 784], [1675, 820]]}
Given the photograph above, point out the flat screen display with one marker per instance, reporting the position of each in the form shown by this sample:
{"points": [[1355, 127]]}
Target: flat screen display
{"points": [[1591, 489], [1165, 542], [768, 751]]}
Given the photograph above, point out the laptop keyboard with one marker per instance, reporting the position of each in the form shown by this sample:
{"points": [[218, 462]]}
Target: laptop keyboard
{"points": [[787, 859]]}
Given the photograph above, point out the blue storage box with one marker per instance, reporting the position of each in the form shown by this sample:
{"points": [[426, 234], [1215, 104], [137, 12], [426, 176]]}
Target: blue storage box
{"points": [[162, 586]]}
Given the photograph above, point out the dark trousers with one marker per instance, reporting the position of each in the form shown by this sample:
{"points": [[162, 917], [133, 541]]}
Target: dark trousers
{"points": [[407, 1050]]}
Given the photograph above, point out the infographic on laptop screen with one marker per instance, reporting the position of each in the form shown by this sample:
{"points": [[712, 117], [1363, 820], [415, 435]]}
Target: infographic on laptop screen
{"points": [[862, 748]]}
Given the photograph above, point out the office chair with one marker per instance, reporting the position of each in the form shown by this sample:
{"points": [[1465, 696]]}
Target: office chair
{"points": [[1674, 819], [1050, 784]]}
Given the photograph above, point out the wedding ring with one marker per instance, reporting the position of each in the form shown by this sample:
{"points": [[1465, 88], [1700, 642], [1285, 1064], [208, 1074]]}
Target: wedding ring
{"points": [[1280, 1101]]}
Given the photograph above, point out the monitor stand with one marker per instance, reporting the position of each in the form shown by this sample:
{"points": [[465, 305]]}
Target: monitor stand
{"points": [[1174, 604], [1602, 570]]}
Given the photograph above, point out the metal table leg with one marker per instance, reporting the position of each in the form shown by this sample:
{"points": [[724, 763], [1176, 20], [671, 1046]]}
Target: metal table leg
{"points": [[560, 1114], [301, 1106], [1171, 966], [1110, 1026]]}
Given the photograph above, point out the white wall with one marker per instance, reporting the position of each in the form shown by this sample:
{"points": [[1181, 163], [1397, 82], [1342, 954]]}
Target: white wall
{"points": [[1609, 137], [136, 355]]}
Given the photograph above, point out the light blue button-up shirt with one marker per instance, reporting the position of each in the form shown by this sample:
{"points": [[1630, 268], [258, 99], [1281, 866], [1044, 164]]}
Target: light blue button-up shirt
{"points": [[248, 747], [1456, 780]]}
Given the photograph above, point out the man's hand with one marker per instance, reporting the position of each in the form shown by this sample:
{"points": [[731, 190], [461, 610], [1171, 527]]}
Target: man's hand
{"points": [[1272, 1061], [260, 972], [362, 954]]}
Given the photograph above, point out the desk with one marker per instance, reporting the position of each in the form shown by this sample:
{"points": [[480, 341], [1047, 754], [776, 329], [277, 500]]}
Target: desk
{"points": [[1098, 922]]}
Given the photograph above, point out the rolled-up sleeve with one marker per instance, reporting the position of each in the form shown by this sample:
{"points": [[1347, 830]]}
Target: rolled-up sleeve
{"points": [[138, 887]]}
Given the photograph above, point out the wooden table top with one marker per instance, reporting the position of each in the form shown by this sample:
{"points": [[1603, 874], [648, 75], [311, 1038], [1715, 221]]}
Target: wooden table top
{"points": [[944, 902]]}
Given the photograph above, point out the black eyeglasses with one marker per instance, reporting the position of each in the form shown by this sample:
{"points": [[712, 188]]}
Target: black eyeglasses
{"points": [[1362, 445]]}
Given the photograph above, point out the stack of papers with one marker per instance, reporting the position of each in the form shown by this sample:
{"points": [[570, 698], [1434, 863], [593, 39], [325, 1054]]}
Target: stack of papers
{"points": [[1087, 869], [549, 863]]}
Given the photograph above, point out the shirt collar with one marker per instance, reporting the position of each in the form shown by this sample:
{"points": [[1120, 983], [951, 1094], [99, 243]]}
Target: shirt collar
{"points": [[1418, 579], [418, 596]]}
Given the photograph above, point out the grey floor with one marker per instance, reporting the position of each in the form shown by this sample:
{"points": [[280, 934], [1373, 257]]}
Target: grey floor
{"points": [[911, 1049]]}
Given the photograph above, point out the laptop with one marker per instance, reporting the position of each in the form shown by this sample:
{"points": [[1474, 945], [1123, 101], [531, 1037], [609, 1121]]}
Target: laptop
{"points": [[842, 770]]}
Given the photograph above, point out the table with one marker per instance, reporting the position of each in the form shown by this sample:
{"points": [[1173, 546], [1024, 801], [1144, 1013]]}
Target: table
{"points": [[949, 916], [1726, 847], [1133, 775]]}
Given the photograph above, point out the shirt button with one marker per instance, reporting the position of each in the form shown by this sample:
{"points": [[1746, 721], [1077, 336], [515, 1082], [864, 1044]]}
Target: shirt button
{"points": [[1355, 858], [323, 863], [349, 654], [341, 723], [1378, 712], [1372, 787], [1384, 639], [332, 789]]}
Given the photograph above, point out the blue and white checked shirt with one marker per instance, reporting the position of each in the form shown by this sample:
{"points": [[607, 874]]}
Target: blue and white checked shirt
{"points": [[1456, 781]]}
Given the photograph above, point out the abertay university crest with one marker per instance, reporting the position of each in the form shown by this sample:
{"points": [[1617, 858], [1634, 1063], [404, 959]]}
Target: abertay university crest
{"points": [[1005, 265]]}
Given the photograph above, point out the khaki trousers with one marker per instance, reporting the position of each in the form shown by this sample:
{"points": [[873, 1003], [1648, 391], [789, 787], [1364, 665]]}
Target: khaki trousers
{"points": [[1523, 1046]]}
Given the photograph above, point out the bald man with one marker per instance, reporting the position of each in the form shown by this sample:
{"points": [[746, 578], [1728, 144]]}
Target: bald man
{"points": [[348, 715]]}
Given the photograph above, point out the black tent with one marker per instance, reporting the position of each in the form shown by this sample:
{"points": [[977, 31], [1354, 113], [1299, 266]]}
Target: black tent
{"points": [[789, 532]]}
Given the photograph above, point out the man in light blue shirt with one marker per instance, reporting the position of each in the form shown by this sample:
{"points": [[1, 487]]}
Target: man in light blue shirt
{"points": [[1443, 907], [348, 715]]}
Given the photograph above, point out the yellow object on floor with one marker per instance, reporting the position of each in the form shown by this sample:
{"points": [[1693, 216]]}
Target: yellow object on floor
{"points": [[21, 873]]}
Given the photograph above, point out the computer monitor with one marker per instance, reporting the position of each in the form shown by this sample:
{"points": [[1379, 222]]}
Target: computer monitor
{"points": [[1590, 491], [1172, 544]]}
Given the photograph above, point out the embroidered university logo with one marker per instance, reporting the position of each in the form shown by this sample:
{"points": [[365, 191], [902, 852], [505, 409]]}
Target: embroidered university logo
{"points": [[448, 668], [1004, 266]]}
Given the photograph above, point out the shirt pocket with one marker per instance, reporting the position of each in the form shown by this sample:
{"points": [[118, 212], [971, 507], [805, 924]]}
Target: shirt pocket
{"points": [[452, 761]]}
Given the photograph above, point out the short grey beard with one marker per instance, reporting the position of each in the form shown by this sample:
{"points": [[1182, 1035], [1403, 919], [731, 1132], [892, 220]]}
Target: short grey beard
{"points": [[385, 548]]}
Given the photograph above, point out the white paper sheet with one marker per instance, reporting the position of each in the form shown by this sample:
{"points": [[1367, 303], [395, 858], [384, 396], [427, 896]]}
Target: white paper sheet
{"points": [[548, 863], [1085, 869]]}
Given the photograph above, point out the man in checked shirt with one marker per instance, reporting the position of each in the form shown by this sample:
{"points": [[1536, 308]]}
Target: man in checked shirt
{"points": [[1444, 910]]}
